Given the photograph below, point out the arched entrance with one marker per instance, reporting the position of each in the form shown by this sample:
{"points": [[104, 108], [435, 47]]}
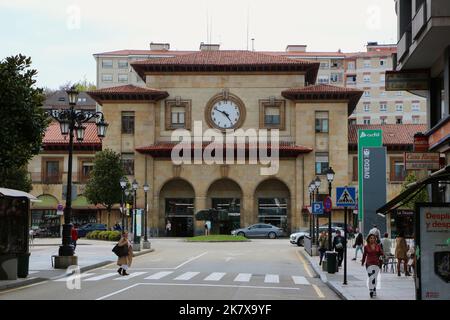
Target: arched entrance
{"points": [[272, 199], [176, 203], [226, 194]]}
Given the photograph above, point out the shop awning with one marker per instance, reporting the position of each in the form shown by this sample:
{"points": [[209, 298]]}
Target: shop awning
{"points": [[82, 202], [46, 202], [17, 194], [414, 188]]}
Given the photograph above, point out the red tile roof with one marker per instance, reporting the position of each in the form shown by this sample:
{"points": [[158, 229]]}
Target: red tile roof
{"points": [[163, 149], [306, 54], [54, 138], [393, 134], [227, 61], [127, 92], [325, 92]]}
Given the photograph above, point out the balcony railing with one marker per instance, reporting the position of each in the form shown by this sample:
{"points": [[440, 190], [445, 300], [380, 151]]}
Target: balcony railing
{"points": [[404, 44], [419, 21]]}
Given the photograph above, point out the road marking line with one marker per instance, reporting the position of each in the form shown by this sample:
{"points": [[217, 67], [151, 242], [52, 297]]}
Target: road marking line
{"points": [[305, 265], [189, 260], [187, 276], [103, 276], [215, 276], [318, 291], [33, 272], [118, 291], [195, 285], [272, 278], [243, 277], [74, 276], [158, 275], [132, 275], [300, 280]]}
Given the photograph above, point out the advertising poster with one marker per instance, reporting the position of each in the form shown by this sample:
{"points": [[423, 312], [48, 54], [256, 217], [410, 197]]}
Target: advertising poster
{"points": [[139, 222], [433, 254]]}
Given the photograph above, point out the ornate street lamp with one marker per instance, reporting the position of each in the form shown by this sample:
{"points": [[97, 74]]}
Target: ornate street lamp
{"points": [[135, 186], [71, 120], [127, 194], [311, 190], [317, 183], [146, 243], [330, 178], [123, 185]]}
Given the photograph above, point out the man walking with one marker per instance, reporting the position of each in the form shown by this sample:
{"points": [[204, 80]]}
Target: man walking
{"points": [[376, 232], [338, 245], [359, 243], [74, 234]]}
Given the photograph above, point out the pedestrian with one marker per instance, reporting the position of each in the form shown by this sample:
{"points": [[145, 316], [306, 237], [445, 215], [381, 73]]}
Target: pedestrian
{"points": [[207, 227], [386, 244], [124, 262], [74, 236], [372, 257], [117, 227], [375, 231], [323, 245], [359, 243], [168, 228], [411, 257], [401, 249], [339, 244]]}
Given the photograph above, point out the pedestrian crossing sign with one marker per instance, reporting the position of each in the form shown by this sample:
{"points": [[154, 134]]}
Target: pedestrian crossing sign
{"points": [[345, 196]]}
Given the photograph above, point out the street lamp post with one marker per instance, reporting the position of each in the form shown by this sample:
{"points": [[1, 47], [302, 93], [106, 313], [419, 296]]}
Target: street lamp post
{"points": [[123, 184], [317, 183], [310, 189], [146, 242], [127, 194], [135, 186], [330, 178], [71, 121]]}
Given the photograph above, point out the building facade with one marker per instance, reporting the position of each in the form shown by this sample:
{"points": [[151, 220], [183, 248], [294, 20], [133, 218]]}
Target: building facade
{"points": [[48, 172], [263, 92]]}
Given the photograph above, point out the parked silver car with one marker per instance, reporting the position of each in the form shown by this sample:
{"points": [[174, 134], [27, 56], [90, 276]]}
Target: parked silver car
{"points": [[260, 230]]}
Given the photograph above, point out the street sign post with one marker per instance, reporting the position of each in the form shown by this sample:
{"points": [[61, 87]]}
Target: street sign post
{"points": [[345, 197], [327, 204]]}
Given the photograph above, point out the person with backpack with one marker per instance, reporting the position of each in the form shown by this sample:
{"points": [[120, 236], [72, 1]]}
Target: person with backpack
{"points": [[338, 245], [124, 261], [359, 243]]}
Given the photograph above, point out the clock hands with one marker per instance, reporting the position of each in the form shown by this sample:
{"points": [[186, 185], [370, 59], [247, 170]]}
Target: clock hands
{"points": [[226, 114]]}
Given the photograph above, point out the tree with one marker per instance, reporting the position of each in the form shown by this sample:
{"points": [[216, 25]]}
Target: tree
{"points": [[82, 85], [24, 121], [103, 186], [422, 196]]}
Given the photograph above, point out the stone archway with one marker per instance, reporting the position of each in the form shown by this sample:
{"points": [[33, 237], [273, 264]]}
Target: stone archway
{"points": [[272, 203], [177, 205], [226, 194]]}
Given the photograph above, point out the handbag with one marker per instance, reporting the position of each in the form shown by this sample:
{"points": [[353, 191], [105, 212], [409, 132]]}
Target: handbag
{"points": [[120, 251]]}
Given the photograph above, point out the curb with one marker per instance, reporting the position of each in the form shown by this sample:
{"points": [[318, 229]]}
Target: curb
{"points": [[21, 283], [324, 278], [142, 252]]}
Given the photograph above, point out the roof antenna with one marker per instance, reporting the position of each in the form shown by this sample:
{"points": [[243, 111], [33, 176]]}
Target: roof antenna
{"points": [[248, 22], [253, 44]]}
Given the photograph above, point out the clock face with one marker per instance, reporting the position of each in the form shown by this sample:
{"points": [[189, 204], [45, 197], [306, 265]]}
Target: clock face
{"points": [[225, 114]]}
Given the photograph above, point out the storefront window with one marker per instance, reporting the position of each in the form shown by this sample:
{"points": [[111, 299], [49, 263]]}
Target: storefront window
{"points": [[46, 223], [233, 207], [180, 206], [273, 211], [402, 220]]}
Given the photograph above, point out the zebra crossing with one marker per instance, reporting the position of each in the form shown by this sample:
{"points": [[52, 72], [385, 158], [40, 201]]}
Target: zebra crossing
{"points": [[242, 278]]}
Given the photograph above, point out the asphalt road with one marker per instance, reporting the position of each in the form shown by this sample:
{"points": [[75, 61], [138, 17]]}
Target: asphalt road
{"points": [[177, 270]]}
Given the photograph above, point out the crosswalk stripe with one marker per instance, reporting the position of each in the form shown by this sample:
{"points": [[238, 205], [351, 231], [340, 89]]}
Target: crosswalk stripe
{"points": [[72, 277], [159, 275], [132, 275], [243, 277], [300, 280], [215, 276], [271, 278], [187, 276], [32, 272], [103, 276]]}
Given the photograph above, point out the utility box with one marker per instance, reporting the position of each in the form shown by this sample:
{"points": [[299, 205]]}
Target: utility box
{"points": [[14, 233]]}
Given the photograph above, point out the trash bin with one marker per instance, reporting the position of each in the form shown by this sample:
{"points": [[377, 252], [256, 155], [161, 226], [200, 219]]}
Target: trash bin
{"points": [[331, 261], [8, 267], [23, 261]]}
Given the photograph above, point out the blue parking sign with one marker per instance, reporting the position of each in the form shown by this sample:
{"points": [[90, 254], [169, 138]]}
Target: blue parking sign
{"points": [[317, 208]]}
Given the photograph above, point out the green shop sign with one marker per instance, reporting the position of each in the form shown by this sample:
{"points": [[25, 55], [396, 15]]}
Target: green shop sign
{"points": [[366, 138]]}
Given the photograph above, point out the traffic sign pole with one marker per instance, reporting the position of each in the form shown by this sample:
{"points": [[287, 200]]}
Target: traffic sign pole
{"points": [[345, 246]]}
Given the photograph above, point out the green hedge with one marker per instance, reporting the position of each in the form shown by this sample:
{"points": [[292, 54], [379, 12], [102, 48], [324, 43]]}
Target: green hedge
{"points": [[104, 235]]}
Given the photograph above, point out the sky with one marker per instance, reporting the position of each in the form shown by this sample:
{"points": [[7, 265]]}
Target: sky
{"points": [[61, 36]]}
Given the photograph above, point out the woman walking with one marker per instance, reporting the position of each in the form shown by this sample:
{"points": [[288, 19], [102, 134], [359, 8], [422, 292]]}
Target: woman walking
{"points": [[371, 256], [323, 245], [401, 250], [124, 262]]}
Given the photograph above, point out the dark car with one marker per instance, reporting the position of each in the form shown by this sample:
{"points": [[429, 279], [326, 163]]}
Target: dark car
{"points": [[261, 230], [85, 229]]}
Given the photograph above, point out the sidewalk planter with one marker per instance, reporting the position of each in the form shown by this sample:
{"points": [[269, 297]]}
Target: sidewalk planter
{"points": [[23, 261]]}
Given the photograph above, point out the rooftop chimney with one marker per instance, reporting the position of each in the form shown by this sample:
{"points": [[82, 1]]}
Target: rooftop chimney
{"points": [[159, 46], [209, 47], [296, 48]]}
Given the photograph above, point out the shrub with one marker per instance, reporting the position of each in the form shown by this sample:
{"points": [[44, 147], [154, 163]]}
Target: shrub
{"points": [[104, 235], [114, 236]]}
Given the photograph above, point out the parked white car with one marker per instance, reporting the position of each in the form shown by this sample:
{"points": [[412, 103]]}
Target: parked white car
{"points": [[298, 237]]}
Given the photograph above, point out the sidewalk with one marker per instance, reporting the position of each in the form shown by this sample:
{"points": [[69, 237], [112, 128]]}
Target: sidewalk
{"points": [[390, 285], [91, 254]]}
